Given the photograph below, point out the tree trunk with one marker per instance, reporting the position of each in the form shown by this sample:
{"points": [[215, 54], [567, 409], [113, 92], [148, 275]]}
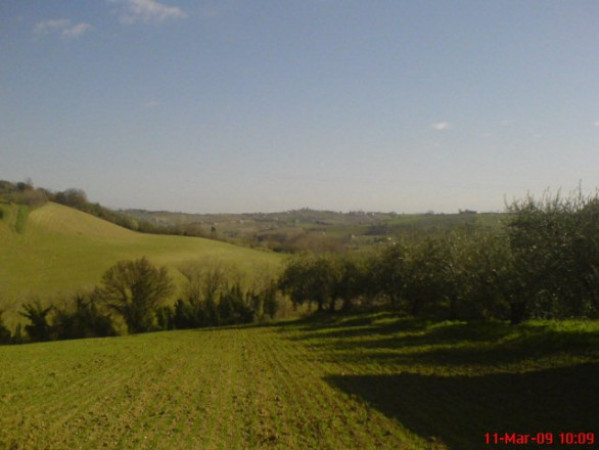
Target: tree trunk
{"points": [[517, 312], [347, 305]]}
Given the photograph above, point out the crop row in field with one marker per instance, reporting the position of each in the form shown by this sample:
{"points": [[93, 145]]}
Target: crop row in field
{"points": [[244, 388], [374, 381]]}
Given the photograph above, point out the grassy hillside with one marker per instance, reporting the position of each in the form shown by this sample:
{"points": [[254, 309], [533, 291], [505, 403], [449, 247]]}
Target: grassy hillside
{"points": [[352, 382], [55, 249]]}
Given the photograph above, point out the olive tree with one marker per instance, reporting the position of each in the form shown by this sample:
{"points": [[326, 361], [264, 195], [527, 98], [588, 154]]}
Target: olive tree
{"points": [[555, 242], [311, 278]]}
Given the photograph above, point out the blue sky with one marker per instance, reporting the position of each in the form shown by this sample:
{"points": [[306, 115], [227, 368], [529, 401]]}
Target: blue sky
{"points": [[245, 106]]}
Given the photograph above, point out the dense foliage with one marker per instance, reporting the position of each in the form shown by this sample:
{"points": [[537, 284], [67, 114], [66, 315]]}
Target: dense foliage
{"points": [[26, 195], [5, 336], [543, 263], [134, 289], [22, 193], [136, 293], [214, 296]]}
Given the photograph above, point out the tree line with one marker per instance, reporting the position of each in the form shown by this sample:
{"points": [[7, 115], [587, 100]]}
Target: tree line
{"points": [[26, 194], [135, 292], [542, 263]]}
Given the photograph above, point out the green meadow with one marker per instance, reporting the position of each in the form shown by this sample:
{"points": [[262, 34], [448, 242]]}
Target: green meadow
{"points": [[370, 381], [55, 250], [373, 380]]}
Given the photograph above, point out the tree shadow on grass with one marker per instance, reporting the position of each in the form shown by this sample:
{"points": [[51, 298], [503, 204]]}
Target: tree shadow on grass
{"points": [[407, 341], [447, 333], [340, 326], [536, 345], [422, 331], [332, 321], [459, 410]]}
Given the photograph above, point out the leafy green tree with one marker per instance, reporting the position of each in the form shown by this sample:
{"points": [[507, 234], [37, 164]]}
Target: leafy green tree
{"points": [[410, 274], [270, 303], [75, 198], [311, 278], [38, 329], [555, 243], [134, 289], [479, 276], [82, 320], [212, 316], [186, 316], [165, 316], [387, 273], [352, 282], [291, 281], [232, 308], [5, 336], [204, 283], [585, 257], [17, 337], [425, 282]]}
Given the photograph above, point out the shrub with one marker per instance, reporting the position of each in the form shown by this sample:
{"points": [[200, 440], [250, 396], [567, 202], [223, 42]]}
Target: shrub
{"points": [[270, 303], [5, 337], [232, 308], [165, 318], [38, 329], [82, 320]]}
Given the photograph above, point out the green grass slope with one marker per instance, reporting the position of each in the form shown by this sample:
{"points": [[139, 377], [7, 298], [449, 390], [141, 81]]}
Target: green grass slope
{"points": [[55, 250], [373, 381]]}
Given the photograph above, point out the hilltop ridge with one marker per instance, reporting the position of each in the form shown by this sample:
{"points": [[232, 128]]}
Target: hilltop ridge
{"points": [[55, 250]]}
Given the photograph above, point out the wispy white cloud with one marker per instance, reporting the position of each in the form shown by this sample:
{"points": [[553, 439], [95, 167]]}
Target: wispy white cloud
{"points": [[77, 30], [48, 26], [62, 26], [596, 123], [147, 11], [441, 126]]}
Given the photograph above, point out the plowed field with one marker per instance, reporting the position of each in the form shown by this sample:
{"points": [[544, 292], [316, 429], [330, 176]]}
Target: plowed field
{"points": [[356, 382]]}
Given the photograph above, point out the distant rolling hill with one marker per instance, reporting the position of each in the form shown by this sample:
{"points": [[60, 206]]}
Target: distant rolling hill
{"points": [[56, 250], [311, 230]]}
